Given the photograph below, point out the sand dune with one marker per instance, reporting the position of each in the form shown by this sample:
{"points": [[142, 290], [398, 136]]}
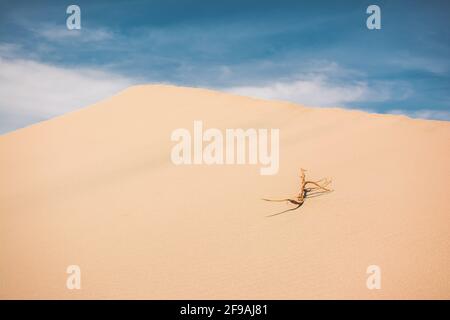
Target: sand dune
{"points": [[96, 188]]}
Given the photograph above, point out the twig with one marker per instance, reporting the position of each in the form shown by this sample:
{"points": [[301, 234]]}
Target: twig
{"points": [[320, 188]]}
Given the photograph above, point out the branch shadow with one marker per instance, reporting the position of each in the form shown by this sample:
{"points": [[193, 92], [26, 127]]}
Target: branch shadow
{"points": [[307, 195]]}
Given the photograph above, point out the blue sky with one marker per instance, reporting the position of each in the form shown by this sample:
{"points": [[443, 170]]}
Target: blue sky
{"points": [[318, 53]]}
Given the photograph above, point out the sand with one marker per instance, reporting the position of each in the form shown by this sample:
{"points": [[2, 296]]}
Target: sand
{"points": [[96, 188]]}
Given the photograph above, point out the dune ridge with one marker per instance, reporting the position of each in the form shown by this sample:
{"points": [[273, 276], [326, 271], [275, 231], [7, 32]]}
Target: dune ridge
{"points": [[96, 188]]}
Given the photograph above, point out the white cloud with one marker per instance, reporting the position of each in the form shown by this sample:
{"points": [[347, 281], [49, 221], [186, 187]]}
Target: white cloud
{"points": [[31, 91], [316, 90]]}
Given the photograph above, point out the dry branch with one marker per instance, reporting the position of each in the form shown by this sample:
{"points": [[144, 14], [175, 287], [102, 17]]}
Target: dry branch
{"points": [[318, 188]]}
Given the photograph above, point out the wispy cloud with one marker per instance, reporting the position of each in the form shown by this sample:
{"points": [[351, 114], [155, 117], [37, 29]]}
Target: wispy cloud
{"points": [[312, 92], [326, 84], [60, 33], [8, 49], [415, 62], [424, 114]]}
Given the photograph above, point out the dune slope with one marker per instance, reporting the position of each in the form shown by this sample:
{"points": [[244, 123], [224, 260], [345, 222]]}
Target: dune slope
{"points": [[96, 188]]}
